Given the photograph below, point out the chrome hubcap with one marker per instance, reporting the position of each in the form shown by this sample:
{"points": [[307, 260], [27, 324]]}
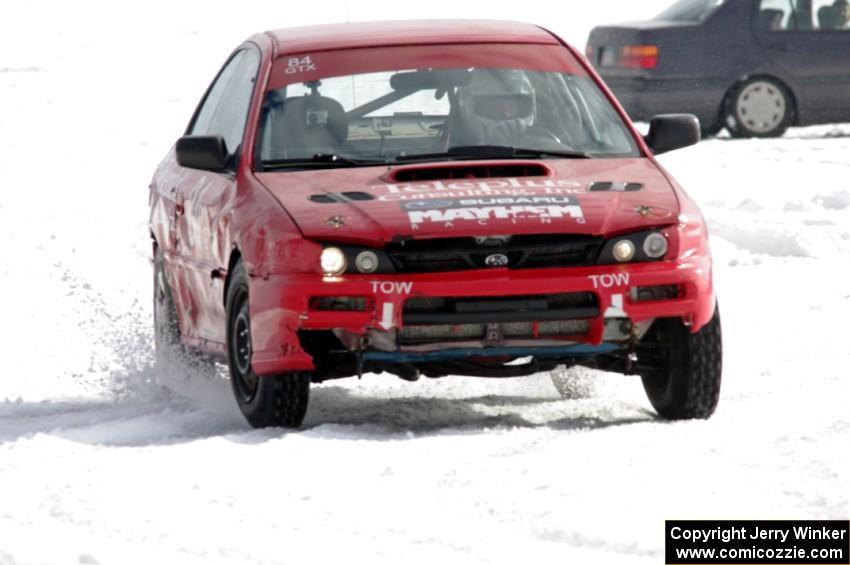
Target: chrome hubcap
{"points": [[761, 106]]}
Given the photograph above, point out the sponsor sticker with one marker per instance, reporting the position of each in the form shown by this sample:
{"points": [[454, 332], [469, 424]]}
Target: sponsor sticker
{"points": [[295, 65], [484, 209], [472, 188]]}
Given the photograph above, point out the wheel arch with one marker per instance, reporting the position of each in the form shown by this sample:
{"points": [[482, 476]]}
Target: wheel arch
{"points": [[235, 257]]}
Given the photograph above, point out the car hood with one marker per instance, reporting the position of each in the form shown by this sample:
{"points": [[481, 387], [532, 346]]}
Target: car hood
{"points": [[376, 205]]}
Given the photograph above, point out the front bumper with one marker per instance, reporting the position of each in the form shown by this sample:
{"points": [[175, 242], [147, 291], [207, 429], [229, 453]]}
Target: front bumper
{"points": [[281, 305]]}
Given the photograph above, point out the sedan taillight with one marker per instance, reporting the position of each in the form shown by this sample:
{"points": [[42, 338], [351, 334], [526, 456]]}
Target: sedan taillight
{"points": [[639, 56]]}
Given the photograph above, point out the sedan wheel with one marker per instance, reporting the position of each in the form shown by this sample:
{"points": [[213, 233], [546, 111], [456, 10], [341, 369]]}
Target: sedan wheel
{"points": [[759, 108]]}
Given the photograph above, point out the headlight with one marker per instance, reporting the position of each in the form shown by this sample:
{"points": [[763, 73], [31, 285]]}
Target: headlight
{"points": [[333, 261], [655, 245], [624, 250], [367, 262]]}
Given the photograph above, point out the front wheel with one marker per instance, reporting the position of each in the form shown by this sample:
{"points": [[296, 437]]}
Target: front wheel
{"points": [[271, 401], [686, 382]]}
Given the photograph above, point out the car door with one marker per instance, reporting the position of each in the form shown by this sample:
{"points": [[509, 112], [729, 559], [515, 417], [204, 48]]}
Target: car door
{"points": [[814, 56], [204, 197]]}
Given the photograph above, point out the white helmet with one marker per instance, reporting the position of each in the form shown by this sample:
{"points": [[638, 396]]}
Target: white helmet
{"points": [[497, 105]]}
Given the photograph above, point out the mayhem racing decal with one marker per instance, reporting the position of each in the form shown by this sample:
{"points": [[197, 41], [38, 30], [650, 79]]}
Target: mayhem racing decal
{"points": [[482, 210]]}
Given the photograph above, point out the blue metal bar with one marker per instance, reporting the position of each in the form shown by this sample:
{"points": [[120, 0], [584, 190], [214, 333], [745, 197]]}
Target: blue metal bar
{"points": [[577, 350]]}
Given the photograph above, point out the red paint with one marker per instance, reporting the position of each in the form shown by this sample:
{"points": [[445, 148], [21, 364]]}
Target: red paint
{"points": [[201, 219], [488, 55], [421, 32]]}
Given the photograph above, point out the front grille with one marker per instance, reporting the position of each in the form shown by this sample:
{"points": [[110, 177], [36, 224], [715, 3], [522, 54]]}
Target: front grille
{"points": [[340, 303], [500, 310], [415, 335], [521, 252]]}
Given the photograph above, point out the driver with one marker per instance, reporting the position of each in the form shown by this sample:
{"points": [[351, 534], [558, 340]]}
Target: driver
{"points": [[842, 13], [497, 107]]}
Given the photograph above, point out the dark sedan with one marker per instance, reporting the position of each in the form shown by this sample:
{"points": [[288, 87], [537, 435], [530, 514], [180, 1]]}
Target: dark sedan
{"points": [[755, 67]]}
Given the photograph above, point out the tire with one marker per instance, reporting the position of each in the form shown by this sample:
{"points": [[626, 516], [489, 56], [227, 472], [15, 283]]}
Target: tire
{"points": [[686, 383], [166, 328], [574, 382], [759, 107], [269, 401], [168, 345]]}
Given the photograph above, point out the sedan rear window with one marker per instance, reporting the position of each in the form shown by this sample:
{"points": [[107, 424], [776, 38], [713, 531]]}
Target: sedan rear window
{"points": [[689, 10]]}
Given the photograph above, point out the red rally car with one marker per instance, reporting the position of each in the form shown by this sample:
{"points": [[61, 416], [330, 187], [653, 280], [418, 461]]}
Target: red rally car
{"points": [[428, 198]]}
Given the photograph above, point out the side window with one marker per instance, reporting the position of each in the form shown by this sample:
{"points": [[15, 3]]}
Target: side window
{"points": [[204, 119], [779, 15], [831, 15], [225, 111]]}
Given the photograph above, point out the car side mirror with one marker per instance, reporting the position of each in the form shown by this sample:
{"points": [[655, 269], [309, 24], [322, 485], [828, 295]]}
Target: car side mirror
{"points": [[672, 131], [205, 152]]}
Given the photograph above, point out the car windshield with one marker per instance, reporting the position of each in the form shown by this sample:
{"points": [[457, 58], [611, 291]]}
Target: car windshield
{"points": [[405, 114], [689, 10]]}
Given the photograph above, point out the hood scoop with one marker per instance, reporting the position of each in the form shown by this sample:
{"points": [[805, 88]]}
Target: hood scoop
{"points": [[451, 171], [340, 197]]}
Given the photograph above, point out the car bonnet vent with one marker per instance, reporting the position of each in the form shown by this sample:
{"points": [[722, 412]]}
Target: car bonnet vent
{"points": [[476, 171], [337, 197]]}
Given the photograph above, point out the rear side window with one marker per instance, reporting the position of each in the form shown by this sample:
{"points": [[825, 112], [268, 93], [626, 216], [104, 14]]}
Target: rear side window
{"points": [[829, 15], [225, 110], [808, 15], [690, 10], [782, 15]]}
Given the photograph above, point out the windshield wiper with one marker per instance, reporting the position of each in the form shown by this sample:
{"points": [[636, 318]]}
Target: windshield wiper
{"points": [[494, 152], [319, 160]]}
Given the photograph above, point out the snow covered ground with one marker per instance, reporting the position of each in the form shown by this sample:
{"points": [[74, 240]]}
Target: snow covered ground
{"points": [[103, 460]]}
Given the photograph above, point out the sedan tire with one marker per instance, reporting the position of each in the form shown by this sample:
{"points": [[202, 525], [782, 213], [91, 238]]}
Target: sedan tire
{"points": [[759, 107]]}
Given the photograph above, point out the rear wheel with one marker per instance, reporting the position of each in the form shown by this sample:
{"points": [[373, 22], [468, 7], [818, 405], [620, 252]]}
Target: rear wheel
{"points": [[267, 401], [166, 330], [686, 382], [759, 107], [168, 345]]}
